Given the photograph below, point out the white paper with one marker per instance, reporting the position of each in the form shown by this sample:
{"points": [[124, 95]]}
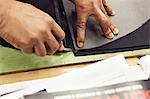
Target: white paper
{"points": [[135, 73], [19, 85], [145, 63], [91, 75]]}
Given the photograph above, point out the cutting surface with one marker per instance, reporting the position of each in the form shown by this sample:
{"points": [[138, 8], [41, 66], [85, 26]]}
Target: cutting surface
{"points": [[12, 60]]}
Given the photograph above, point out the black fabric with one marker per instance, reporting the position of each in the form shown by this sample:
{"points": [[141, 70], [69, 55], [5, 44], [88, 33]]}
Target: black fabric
{"points": [[139, 39]]}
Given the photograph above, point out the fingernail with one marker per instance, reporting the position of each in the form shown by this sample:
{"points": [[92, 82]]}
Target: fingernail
{"points": [[116, 31], [80, 44], [113, 13], [110, 36]]}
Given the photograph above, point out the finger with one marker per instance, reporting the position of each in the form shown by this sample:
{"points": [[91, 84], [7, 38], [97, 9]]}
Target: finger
{"points": [[58, 32], [52, 43], [108, 34], [28, 50], [40, 49], [114, 29], [104, 23], [108, 9], [103, 8], [61, 46], [81, 27]]}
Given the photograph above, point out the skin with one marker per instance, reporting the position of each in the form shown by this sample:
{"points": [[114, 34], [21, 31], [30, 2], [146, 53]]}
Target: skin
{"points": [[100, 10], [33, 31], [29, 29]]}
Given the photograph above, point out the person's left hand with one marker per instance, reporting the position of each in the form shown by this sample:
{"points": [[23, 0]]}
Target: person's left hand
{"points": [[98, 9]]}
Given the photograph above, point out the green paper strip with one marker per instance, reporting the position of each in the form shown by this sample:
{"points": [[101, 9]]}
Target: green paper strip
{"points": [[12, 60]]}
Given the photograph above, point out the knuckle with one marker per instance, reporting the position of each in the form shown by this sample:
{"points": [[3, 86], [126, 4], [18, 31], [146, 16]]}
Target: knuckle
{"points": [[33, 39], [81, 25], [50, 21], [82, 7], [43, 30], [46, 16], [24, 43]]}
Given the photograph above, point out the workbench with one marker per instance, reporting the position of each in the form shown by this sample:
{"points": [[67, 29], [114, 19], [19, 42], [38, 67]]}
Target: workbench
{"points": [[48, 72]]}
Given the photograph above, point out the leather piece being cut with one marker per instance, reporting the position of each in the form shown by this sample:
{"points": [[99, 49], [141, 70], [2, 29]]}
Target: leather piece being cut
{"points": [[139, 39]]}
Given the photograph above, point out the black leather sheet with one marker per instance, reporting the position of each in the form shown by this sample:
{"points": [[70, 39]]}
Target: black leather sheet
{"points": [[138, 39]]}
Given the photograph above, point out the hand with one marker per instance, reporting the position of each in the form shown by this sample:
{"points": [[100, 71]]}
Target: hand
{"points": [[29, 29], [98, 9]]}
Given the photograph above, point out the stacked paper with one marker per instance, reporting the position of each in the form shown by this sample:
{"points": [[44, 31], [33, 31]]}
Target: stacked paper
{"points": [[110, 71], [145, 63]]}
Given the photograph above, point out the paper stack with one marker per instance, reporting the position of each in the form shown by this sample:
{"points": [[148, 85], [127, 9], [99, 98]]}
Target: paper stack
{"points": [[110, 71], [145, 63]]}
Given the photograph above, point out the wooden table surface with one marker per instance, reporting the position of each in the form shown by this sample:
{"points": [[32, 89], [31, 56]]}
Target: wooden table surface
{"points": [[45, 73]]}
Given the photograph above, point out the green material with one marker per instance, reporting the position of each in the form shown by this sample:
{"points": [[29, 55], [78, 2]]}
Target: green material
{"points": [[12, 60]]}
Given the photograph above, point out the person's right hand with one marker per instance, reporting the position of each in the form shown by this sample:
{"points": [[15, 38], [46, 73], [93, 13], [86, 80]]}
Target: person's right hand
{"points": [[29, 29]]}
